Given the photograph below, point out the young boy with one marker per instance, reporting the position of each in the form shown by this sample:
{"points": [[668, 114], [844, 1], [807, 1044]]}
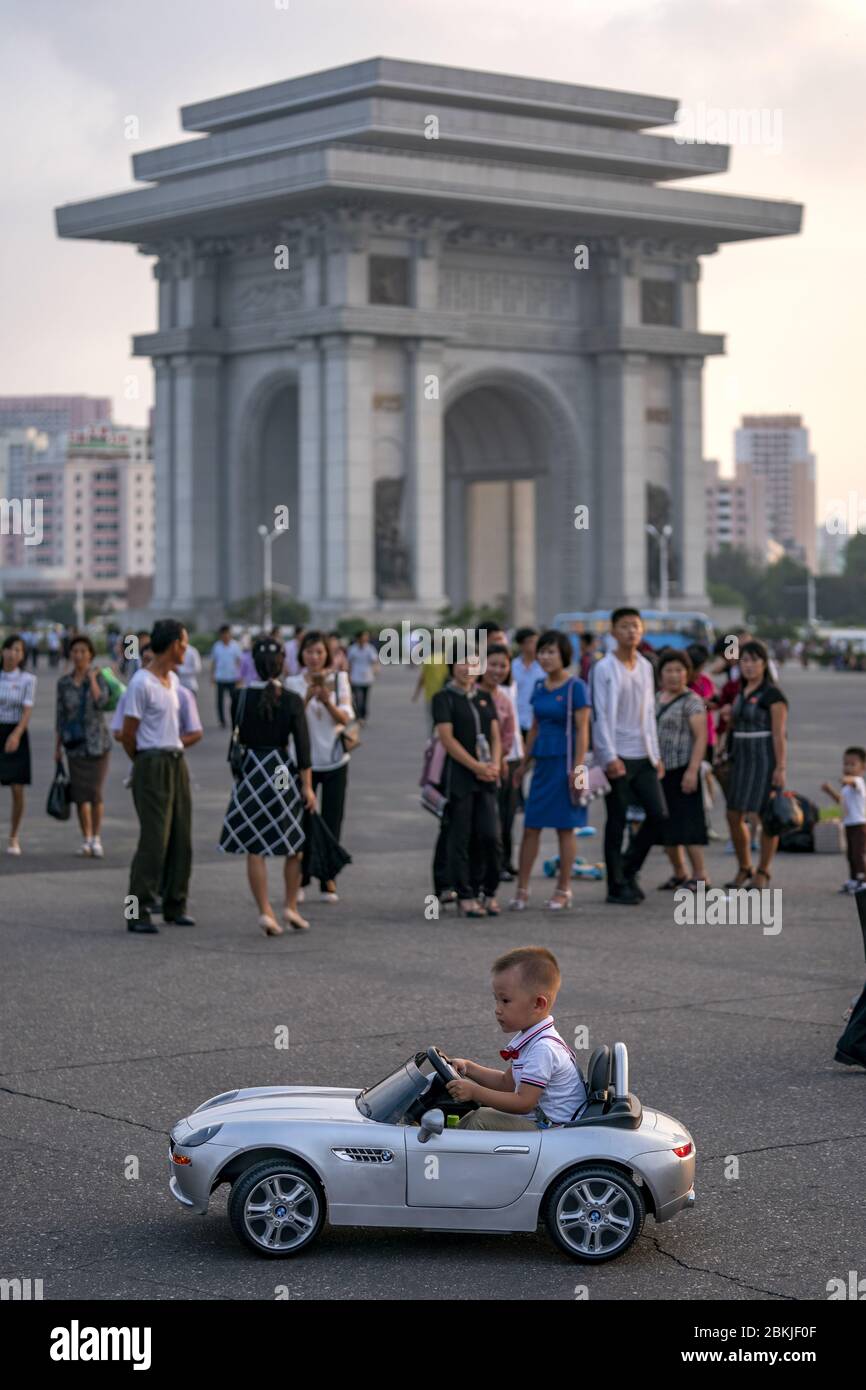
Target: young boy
{"points": [[853, 801], [541, 1084]]}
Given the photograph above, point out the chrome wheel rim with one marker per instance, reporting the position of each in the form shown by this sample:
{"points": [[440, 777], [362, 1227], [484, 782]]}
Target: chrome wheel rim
{"points": [[595, 1216], [281, 1212]]}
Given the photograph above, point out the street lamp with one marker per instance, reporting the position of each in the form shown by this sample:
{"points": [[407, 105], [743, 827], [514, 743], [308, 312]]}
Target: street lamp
{"points": [[663, 537], [268, 538]]}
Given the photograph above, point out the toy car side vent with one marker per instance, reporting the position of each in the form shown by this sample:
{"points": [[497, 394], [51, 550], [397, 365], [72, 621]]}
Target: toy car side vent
{"points": [[364, 1155]]}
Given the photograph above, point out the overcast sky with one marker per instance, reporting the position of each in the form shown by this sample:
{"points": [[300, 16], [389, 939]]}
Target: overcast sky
{"points": [[792, 309]]}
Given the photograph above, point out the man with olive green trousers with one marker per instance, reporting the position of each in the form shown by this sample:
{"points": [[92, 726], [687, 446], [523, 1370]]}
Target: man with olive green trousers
{"points": [[160, 783]]}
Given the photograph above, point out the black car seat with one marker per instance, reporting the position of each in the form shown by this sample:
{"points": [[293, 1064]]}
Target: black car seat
{"points": [[602, 1107]]}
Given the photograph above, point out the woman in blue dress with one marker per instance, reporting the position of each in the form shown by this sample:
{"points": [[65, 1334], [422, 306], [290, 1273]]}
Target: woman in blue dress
{"points": [[557, 745]]}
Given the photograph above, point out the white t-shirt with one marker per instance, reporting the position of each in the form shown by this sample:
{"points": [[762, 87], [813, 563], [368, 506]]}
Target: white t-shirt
{"points": [[362, 661], [544, 1059], [157, 707], [628, 730], [854, 803], [326, 751], [17, 693], [190, 721]]}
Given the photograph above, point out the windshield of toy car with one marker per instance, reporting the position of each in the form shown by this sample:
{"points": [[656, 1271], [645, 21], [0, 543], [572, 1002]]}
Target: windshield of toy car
{"points": [[388, 1100]]}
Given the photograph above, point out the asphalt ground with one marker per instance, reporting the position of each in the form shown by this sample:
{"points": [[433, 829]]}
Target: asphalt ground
{"points": [[108, 1039]]}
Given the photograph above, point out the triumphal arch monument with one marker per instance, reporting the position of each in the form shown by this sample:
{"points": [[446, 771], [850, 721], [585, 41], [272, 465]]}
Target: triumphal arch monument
{"points": [[448, 319]]}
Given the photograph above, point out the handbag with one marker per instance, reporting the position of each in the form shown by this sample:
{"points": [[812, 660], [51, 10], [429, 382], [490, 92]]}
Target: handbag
{"points": [[349, 737], [432, 772], [72, 731], [578, 796], [57, 804], [237, 750]]}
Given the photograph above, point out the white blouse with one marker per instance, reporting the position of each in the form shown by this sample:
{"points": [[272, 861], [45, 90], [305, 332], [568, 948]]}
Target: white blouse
{"points": [[17, 693], [326, 748]]}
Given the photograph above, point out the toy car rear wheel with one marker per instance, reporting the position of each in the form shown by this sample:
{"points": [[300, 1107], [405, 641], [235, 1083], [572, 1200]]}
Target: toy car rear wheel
{"points": [[594, 1213], [276, 1208]]}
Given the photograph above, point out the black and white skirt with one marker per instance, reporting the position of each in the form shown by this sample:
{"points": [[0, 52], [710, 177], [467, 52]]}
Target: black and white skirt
{"points": [[265, 813]]}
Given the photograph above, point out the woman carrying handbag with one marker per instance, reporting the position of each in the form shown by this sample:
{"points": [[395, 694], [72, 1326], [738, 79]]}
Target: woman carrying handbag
{"points": [[332, 729], [557, 743]]}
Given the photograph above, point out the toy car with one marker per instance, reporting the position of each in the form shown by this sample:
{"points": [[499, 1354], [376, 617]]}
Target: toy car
{"points": [[385, 1156]]}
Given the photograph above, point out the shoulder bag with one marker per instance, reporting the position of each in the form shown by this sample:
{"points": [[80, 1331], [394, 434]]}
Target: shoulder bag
{"points": [[237, 750]]}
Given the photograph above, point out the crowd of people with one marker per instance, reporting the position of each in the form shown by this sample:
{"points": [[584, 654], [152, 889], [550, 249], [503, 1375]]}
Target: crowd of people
{"points": [[537, 727]]}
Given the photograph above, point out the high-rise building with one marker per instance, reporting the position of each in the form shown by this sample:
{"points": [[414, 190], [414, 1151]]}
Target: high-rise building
{"points": [[736, 512], [109, 508], [831, 547], [54, 414], [776, 449]]}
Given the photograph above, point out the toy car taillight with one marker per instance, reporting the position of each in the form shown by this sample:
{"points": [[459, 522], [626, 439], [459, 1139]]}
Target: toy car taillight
{"points": [[683, 1150]]}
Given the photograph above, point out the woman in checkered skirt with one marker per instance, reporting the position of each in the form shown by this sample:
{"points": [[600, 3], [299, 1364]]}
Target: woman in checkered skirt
{"points": [[265, 813]]}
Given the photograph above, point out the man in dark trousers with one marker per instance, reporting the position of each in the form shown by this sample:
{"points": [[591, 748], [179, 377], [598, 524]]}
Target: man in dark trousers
{"points": [[851, 1047], [160, 783]]}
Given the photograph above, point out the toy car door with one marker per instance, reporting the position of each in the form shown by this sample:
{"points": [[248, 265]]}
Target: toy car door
{"points": [[470, 1168]]}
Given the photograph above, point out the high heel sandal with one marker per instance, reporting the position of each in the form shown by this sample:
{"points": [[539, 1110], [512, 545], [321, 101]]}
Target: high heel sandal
{"points": [[491, 907], [295, 919], [520, 901], [765, 875], [269, 926], [562, 893], [744, 873], [469, 907]]}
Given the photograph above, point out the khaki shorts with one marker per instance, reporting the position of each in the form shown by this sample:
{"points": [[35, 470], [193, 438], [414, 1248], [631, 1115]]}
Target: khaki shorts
{"points": [[488, 1118]]}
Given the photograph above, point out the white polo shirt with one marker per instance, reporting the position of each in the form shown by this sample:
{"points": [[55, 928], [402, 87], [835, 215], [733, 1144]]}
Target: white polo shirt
{"points": [[543, 1059]]}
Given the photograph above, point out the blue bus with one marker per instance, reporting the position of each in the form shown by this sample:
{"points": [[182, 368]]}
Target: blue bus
{"points": [[661, 629]]}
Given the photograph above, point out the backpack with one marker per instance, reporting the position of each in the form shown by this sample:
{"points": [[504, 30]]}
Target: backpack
{"points": [[801, 840], [116, 688]]}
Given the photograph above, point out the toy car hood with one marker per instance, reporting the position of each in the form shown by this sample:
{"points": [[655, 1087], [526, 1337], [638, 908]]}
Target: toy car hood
{"points": [[274, 1102]]}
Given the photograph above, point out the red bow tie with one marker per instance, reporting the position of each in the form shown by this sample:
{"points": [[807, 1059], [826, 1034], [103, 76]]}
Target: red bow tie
{"points": [[509, 1053]]}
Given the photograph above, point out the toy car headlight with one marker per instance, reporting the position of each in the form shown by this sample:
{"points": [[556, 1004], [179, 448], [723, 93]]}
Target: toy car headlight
{"points": [[200, 1136]]}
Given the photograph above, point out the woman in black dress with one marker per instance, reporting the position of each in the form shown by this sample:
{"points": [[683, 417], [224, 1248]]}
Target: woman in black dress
{"points": [[682, 729], [759, 717], [265, 814], [17, 694]]}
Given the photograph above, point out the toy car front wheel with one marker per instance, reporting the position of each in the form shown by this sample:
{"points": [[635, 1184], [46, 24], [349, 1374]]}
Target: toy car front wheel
{"points": [[276, 1208], [595, 1213]]}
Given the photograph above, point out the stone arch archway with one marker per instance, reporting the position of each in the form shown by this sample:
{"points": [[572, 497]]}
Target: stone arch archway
{"points": [[513, 474], [268, 478]]}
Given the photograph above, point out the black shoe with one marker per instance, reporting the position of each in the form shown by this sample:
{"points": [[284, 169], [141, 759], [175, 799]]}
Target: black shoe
{"points": [[143, 925], [634, 887], [848, 1061], [506, 876], [181, 920], [626, 897]]}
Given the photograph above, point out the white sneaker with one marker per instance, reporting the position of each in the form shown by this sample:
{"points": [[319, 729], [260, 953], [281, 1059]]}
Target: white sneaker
{"points": [[96, 848], [13, 847], [86, 850]]}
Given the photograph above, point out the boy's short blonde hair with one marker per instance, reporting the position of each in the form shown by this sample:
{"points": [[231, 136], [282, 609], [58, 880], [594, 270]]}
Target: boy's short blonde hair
{"points": [[537, 966]]}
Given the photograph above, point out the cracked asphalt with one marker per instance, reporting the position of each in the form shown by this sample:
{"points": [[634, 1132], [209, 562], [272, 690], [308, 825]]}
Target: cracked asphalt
{"points": [[107, 1039]]}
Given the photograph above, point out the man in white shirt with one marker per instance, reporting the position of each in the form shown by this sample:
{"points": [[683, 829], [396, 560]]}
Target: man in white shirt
{"points": [[525, 672], [625, 744], [363, 660], [152, 738], [226, 656]]}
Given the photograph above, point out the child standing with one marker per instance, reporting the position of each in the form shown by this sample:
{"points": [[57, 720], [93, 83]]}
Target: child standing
{"points": [[852, 798]]}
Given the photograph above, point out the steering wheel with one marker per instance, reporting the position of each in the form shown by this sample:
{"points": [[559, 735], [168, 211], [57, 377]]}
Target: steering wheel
{"points": [[441, 1065]]}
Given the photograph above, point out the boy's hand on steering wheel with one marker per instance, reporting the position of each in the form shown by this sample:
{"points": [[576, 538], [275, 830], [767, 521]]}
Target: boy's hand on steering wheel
{"points": [[460, 1064], [462, 1089]]}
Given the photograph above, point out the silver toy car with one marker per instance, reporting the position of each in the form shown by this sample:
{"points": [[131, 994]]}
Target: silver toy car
{"points": [[385, 1156]]}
